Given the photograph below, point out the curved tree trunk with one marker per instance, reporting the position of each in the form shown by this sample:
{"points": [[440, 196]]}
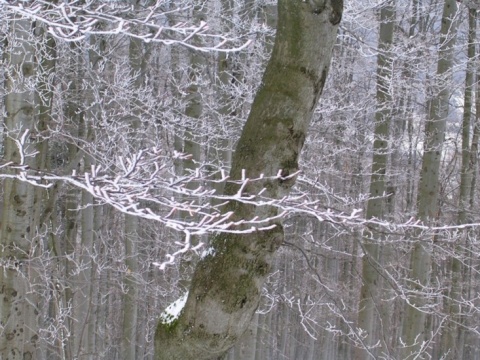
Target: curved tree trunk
{"points": [[226, 286]]}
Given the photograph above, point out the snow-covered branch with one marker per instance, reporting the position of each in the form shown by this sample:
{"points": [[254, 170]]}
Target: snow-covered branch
{"points": [[74, 20], [142, 185]]}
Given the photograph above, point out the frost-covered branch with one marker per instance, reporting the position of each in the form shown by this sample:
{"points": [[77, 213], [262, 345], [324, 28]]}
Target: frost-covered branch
{"points": [[142, 185], [74, 20]]}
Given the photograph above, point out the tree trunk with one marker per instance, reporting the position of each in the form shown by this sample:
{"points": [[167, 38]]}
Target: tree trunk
{"points": [[453, 332], [45, 211], [427, 202], [226, 286], [20, 306], [137, 58], [376, 204]]}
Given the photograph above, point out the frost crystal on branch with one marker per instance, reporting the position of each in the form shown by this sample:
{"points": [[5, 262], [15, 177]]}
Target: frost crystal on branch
{"points": [[73, 20]]}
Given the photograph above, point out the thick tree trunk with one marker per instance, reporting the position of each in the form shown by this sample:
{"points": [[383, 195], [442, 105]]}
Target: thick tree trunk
{"points": [[227, 284]]}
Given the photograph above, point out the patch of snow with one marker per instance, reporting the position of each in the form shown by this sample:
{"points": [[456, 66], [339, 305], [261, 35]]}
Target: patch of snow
{"points": [[208, 251], [173, 311]]}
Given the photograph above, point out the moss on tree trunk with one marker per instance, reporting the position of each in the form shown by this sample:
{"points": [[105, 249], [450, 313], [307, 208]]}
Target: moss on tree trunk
{"points": [[226, 286]]}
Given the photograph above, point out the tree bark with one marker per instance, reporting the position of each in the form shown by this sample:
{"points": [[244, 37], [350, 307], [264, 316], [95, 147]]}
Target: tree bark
{"points": [[227, 284], [136, 57], [376, 203], [427, 202], [451, 345], [21, 305]]}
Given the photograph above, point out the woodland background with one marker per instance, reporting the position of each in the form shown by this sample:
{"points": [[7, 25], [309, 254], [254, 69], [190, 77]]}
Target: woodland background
{"points": [[381, 258]]}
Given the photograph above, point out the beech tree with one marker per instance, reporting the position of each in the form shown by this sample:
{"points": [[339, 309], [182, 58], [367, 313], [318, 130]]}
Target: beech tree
{"points": [[20, 308], [120, 121], [227, 283], [438, 107], [376, 206]]}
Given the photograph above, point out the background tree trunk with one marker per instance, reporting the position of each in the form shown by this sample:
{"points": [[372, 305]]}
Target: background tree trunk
{"points": [[414, 323], [452, 344], [20, 307], [376, 206]]}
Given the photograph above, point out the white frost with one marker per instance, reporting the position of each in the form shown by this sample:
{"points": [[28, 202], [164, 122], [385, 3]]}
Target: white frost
{"points": [[208, 251], [172, 312]]}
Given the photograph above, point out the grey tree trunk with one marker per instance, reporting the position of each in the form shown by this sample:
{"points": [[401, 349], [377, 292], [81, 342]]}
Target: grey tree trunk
{"points": [[427, 202], [44, 212], [20, 306], [453, 333], [474, 146], [85, 306], [376, 205], [137, 60], [226, 286]]}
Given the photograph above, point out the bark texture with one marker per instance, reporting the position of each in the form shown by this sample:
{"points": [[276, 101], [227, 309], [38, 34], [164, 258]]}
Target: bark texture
{"points": [[226, 286], [414, 331], [453, 336], [18, 308], [367, 318]]}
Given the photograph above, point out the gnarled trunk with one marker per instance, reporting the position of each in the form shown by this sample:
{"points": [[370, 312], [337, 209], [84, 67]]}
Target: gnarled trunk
{"points": [[227, 284]]}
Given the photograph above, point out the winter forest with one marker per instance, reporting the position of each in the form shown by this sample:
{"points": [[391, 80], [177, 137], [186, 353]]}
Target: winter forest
{"points": [[239, 179]]}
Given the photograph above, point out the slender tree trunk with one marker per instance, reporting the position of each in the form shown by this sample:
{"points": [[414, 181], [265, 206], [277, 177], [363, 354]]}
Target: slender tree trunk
{"points": [[79, 232], [219, 152], [427, 202], [130, 306], [474, 146], [84, 304], [137, 60], [68, 247], [226, 286], [46, 58], [450, 336], [376, 206], [194, 109], [21, 305]]}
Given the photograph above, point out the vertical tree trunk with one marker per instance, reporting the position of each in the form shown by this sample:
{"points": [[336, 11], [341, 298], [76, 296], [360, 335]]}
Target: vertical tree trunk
{"points": [[130, 305], [219, 152], [427, 202], [84, 302], [226, 286], [453, 333], [474, 147], [192, 136], [79, 232], [376, 205], [137, 59], [46, 58], [20, 305]]}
